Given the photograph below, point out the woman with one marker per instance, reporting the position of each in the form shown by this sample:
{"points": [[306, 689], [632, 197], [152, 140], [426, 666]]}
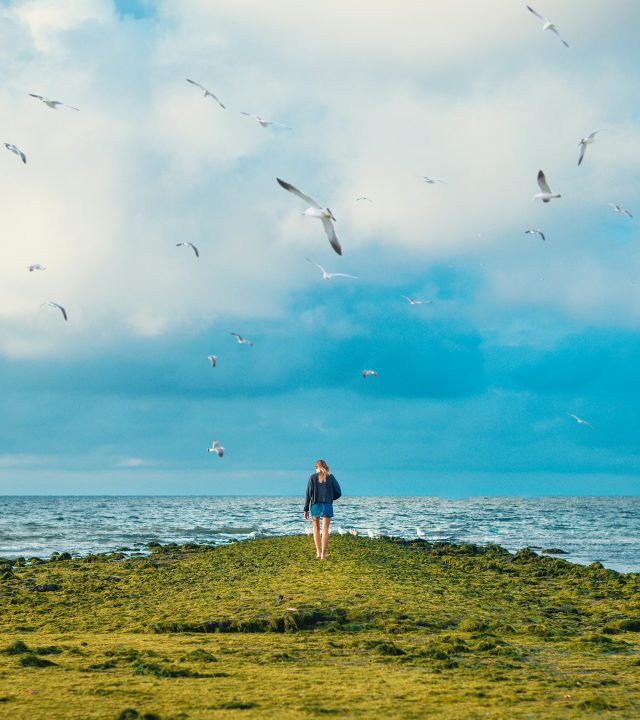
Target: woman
{"points": [[322, 490]]}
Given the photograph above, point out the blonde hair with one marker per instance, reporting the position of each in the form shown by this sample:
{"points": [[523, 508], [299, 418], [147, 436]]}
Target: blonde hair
{"points": [[324, 470]]}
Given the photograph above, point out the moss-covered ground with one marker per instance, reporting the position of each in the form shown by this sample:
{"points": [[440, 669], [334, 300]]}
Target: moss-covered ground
{"points": [[260, 629]]}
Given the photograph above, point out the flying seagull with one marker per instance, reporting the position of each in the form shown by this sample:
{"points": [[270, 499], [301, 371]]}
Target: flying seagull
{"points": [[415, 301], [432, 181], [212, 359], [16, 151], [328, 275], [36, 266], [207, 93], [216, 448], [50, 303], [53, 104], [586, 141], [264, 123], [191, 245], [316, 210], [241, 340], [535, 231], [547, 194], [364, 197], [366, 373], [619, 209], [580, 421], [547, 24]]}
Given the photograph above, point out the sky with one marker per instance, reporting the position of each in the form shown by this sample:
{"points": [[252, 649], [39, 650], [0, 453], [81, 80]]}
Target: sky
{"points": [[476, 387]]}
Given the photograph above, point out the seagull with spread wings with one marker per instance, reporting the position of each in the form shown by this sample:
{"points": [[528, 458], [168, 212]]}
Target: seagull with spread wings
{"points": [[52, 304], [547, 25], [535, 231], [36, 266], [328, 275], [264, 123], [16, 151], [53, 104], [207, 93], [620, 210], [586, 141], [191, 245], [546, 194], [316, 210], [216, 448], [580, 421], [241, 340], [415, 301], [367, 373]]}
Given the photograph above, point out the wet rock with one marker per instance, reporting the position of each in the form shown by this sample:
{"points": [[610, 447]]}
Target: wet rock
{"points": [[554, 551]]}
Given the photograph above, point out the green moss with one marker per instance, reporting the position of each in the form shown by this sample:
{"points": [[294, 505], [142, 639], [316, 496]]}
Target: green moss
{"points": [[392, 628]]}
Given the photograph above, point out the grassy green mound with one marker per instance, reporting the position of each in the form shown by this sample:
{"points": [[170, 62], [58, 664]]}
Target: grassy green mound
{"points": [[261, 629]]}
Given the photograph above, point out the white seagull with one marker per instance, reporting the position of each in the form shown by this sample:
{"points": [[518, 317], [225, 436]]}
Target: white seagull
{"points": [[212, 359], [36, 266], [191, 245], [16, 151], [53, 104], [547, 24], [415, 301], [432, 181], [207, 93], [50, 303], [586, 141], [419, 533], [264, 123], [241, 340], [580, 421], [620, 210], [366, 373], [535, 231], [546, 193], [328, 275], [216, 448], [316, 210]]}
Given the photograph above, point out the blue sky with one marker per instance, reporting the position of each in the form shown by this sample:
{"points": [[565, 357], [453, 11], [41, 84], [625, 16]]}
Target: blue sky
{"points": [[474, 389]]}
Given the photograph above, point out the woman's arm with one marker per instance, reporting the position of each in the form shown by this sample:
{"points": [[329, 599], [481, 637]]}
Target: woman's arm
{"points": [[337, 492], [309, 494]]}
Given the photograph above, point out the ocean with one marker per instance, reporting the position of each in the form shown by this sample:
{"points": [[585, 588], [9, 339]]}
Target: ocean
{"points": [[587, 529]]}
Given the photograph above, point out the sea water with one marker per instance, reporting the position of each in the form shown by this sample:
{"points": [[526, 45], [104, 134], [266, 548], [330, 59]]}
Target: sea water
{"points": [[587, 529]]}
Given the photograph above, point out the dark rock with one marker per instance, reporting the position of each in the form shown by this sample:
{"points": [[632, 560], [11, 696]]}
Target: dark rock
{"points": [[555, 551], [47, 587]]}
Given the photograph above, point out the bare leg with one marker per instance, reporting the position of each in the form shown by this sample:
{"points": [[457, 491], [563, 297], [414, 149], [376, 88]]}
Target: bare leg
{"points": [[325, 536], [316, 534]]}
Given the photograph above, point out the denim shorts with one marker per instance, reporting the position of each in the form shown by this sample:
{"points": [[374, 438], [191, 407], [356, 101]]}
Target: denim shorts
{"points": [[322, 510]]}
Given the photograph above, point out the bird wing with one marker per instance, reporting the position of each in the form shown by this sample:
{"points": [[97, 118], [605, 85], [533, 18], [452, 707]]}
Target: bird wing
{"points": [[343, 275], [542, 181], [313, 262], [62, 310], [194, 248], [39, 97], [583, 149], [208, 92], [541, 234], [300, 194], [242, 112], [540, 17], [71, 107], [193, 82], [331, 234], [555, 31], [235, 335]]}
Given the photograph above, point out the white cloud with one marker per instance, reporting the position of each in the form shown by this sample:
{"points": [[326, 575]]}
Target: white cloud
{"points": [[378, 96]]}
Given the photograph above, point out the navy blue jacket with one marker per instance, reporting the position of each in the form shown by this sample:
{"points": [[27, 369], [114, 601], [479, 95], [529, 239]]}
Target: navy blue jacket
{"points": [[318, 492]]}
